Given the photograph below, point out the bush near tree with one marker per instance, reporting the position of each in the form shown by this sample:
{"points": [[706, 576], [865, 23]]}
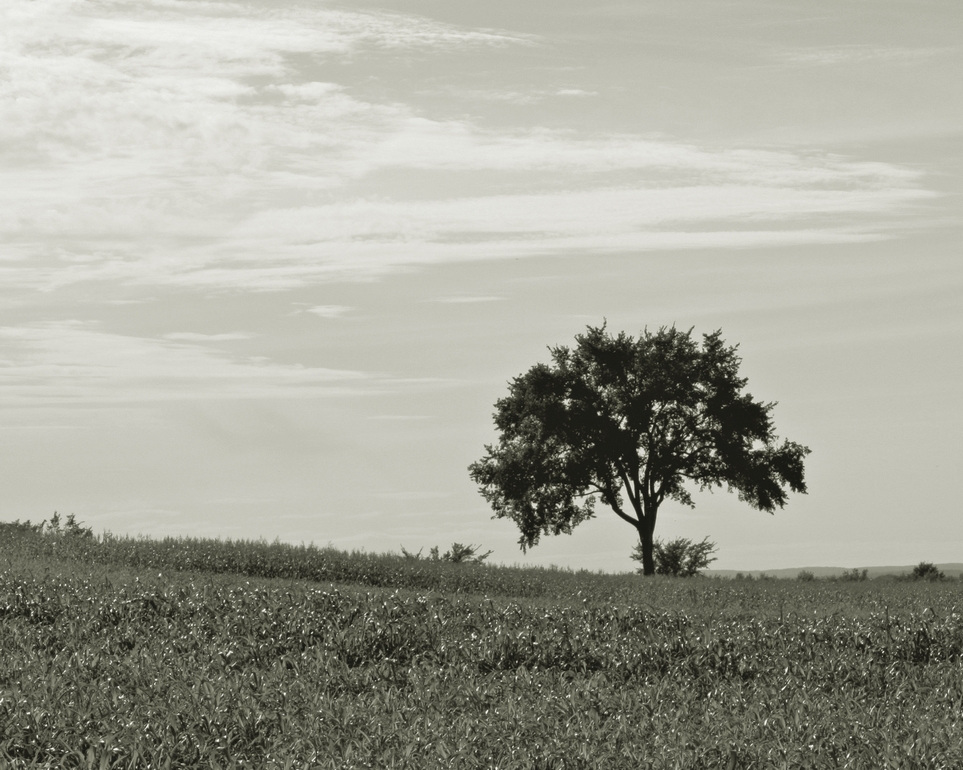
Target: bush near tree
{"points": [[680, 557]]}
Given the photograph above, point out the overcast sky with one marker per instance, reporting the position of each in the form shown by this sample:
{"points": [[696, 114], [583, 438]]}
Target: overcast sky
{"points": [[266, 266]]}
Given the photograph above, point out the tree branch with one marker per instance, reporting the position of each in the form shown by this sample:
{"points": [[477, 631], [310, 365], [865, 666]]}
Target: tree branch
{"points": [[613, 503]]}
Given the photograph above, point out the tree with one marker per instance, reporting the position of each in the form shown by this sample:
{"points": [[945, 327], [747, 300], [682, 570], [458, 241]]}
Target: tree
{"points": [[630, 421], [680, 557]]}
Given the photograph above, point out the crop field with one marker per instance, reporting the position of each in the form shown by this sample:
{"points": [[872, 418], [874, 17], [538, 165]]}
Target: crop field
{"points": [[131, 653]]}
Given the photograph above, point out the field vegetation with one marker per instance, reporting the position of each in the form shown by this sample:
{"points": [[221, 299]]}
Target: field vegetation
{"points": [[182, 653]]}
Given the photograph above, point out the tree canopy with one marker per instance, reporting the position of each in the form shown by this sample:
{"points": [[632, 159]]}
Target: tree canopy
{"points": [[629, 421]]}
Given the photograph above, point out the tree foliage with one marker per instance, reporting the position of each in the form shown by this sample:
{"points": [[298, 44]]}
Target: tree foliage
{"points": [[680, 557], [630, 421]]}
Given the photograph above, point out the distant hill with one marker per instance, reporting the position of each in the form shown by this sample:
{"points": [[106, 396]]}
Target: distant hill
{"points": [[950, 570]]}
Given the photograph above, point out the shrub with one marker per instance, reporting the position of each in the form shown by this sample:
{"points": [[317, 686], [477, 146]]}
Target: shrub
{"points": [[70, 527], [680, 557], [806, 576], [409, 555], [457, 554], [854, 575], [765, 576], [927, 571]]}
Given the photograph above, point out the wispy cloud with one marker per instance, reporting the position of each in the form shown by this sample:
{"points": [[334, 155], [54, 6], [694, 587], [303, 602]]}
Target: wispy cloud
{"points": [[327, 311], [400, 417], [420, 495], [467, 299], [198, 337], [67, 362], [856, 54], [206, 146], [511, 96]]}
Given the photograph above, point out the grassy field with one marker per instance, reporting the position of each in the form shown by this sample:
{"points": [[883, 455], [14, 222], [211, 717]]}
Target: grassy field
{"points": [[133, 653]]}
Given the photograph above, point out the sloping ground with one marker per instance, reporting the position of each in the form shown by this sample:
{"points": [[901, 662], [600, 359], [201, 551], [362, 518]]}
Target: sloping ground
{"points": [[182, 653]]}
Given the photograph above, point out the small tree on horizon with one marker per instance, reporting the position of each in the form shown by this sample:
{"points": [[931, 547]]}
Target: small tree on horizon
{"points": [[457, 554], [630, 421], [927, 571]]}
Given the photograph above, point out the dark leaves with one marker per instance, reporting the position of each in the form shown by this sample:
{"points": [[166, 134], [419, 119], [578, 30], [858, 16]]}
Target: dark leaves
{"points": [[631, 419]]}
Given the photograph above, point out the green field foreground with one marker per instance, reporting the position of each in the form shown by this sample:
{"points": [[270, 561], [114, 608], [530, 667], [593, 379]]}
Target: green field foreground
{"points": [[132, 653]]}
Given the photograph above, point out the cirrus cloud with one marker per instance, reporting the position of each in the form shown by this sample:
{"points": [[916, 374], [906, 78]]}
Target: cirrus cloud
{"points": [[76, 362], [215, 146]]}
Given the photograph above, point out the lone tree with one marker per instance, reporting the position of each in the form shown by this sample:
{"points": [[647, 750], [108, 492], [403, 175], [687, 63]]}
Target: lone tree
{"points": [[630, 420]]}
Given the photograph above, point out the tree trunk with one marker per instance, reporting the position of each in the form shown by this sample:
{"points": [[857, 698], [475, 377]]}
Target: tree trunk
{"points": [[646, 526], [648, 560]]}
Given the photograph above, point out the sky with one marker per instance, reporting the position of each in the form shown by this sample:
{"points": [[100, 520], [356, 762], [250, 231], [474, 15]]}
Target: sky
{"points": [[265, 267]]}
